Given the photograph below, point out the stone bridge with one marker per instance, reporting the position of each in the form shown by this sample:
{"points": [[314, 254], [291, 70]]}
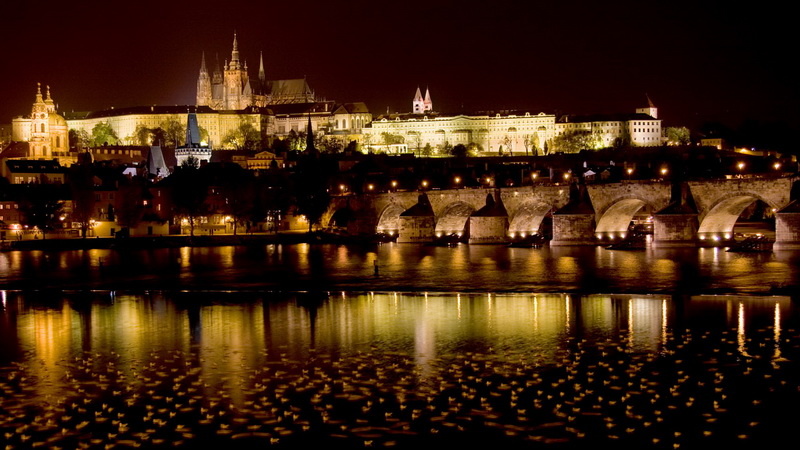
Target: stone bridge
{"points": [[691, 213]]}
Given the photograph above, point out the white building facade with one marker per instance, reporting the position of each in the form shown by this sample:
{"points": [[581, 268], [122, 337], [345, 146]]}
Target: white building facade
{"points": [[510, 133]]}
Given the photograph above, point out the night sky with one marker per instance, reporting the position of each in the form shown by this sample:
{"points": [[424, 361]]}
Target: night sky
{"points": [[698, 63]]}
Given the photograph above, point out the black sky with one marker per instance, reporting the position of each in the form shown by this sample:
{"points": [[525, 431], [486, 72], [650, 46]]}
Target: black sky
{"points": [[709, 62]]}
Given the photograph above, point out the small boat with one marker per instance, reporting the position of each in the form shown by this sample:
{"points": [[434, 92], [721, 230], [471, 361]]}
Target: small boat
{"points": [[758, 243]]}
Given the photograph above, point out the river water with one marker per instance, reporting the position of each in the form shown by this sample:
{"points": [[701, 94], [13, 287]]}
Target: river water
{"points": [[406, 268], [289, 346]]}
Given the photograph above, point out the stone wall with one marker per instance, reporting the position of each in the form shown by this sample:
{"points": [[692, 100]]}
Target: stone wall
{"points": [[488, 230], [416, 229]]}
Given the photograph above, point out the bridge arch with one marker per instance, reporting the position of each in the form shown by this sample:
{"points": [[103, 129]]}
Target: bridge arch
{"points": [[718, 222], [528, 217], [341, 218], [454, 219], [389, 219], [615, 220]]}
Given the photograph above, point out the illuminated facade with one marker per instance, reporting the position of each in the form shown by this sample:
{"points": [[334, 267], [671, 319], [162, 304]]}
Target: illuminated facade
{"points": [[490, 133], [46, 131], [506, 133]]}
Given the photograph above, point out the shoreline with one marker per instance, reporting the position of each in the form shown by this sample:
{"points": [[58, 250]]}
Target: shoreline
{"points": [[177, 241]]}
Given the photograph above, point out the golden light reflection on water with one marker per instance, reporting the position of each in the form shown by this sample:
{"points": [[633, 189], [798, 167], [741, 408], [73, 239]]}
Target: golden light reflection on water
{"points": [[740, 332], [226, 257], [227, 335], [185, 258], [777, 330], [664, 268]]}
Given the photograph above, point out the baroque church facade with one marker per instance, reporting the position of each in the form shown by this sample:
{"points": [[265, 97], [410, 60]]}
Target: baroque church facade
{"points": [[45, 131], [232, 88]]}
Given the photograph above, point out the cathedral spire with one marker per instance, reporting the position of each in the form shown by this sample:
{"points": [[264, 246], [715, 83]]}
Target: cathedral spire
{"points": [[235, 52], [262, 75], [203, 69]]}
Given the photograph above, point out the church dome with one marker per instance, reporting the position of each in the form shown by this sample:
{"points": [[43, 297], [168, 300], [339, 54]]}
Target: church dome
{"points": [[56, 120]]}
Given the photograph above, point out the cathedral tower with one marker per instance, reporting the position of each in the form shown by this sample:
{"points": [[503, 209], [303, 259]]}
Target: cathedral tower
{"points": [[236, 82], [204, 85]]}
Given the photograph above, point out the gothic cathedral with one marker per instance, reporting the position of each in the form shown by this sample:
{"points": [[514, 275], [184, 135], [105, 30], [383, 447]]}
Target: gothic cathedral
{"points": [[234, 90]]}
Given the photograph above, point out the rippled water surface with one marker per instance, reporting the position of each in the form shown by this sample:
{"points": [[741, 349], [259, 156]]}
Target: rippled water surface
{"points": [[407, 268], [396, 369]]}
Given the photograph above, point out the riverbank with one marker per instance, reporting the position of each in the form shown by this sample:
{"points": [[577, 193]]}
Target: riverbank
{"points": [[177, 241]]}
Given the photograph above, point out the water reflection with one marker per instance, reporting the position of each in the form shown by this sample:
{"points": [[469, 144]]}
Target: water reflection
{"points": [[236, 360], [229, 332], [406, 267]]}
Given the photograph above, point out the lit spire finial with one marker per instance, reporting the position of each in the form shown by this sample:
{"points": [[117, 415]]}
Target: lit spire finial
{"points": [[235, 52], [39, 93]]}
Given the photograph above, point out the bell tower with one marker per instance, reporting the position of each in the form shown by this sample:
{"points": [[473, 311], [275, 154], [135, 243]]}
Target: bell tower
{"points": [[40, 122]]}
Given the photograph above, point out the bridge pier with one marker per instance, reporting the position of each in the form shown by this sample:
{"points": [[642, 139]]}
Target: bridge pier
{"points": [[418, 223], [488, 230], [675, 226], [416, 229], [787, 227], [573, 228], [489, 225]]}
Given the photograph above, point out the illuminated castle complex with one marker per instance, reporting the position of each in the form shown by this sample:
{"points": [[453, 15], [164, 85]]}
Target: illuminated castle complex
{"points": [[233, 89]]}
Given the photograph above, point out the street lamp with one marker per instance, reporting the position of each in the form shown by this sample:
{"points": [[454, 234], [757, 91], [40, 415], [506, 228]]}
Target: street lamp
{"points": [[457, 180], [740, 166], [342, 188], [424, 184], [394, 184], [664, 171], [370, 187], [777, 166], [630, 171]]}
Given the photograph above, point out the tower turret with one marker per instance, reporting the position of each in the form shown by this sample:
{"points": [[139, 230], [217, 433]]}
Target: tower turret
{"points": [[651, 109], [427, 103], [40, 126], [418, 104], [49, 103]]}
